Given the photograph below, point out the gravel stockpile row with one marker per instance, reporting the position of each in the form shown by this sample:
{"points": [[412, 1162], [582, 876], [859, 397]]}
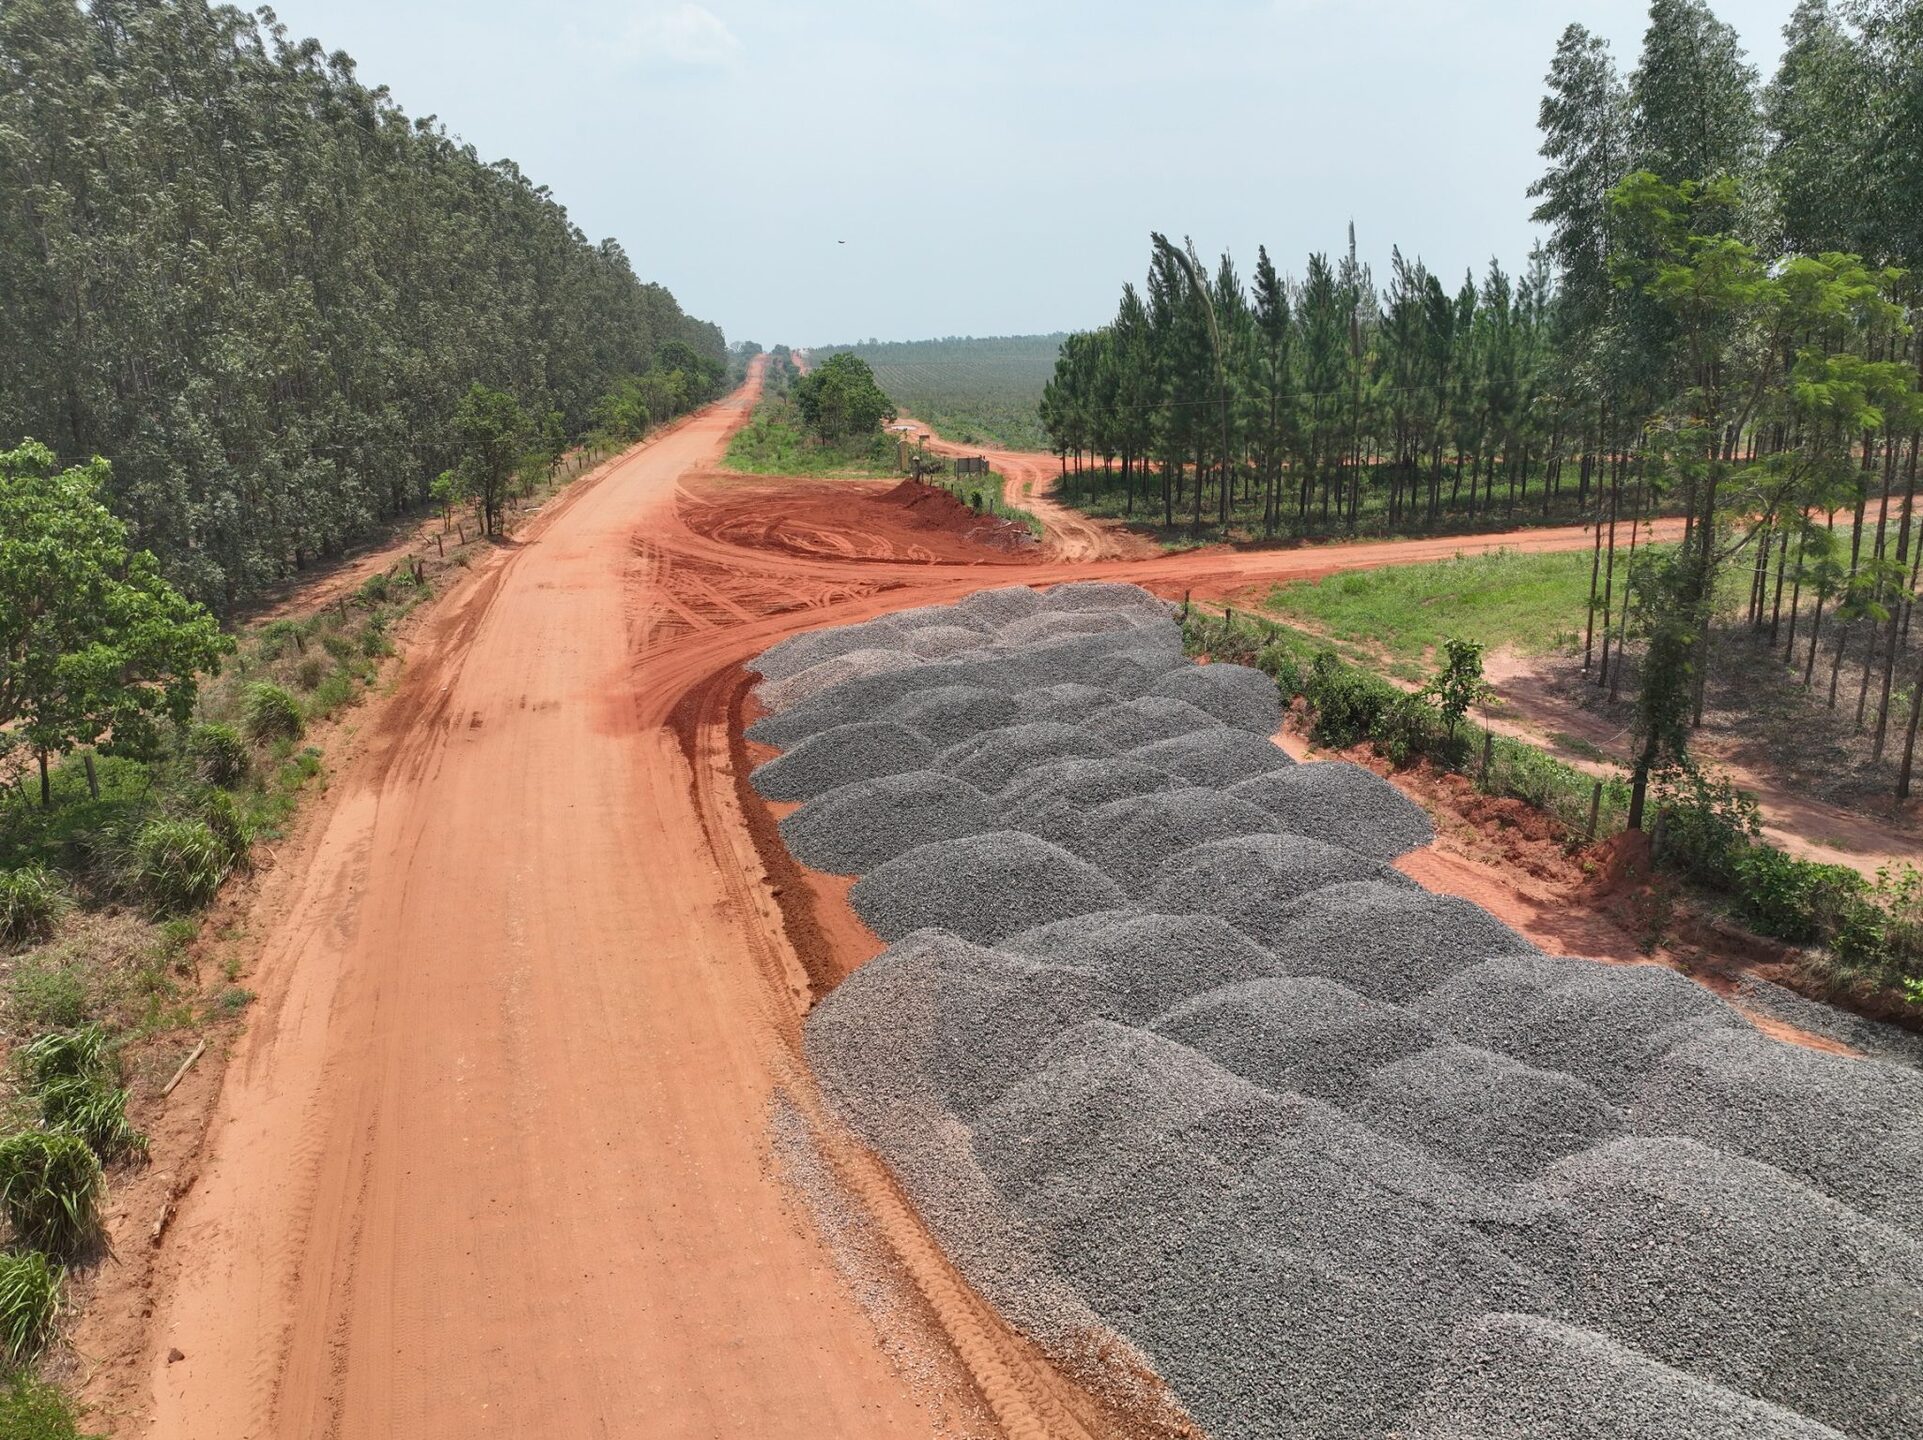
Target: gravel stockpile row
{"points": [[1233, 694], [835, 757], [825, 675], [1870, 1037], [981, 887], [1341, 803], [853, 828], [1217, 757], [1521, 1377], [1852, 1129], [1182, 1059]]}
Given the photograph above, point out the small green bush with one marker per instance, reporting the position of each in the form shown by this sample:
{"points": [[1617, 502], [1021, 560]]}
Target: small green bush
{"points": [[45, 995], [1347, 702], [310, 672], [277, 637], [95, 1110], [219, 754], [50, 1189], [29, 1305], [1792, 899], [179, 864], [222, 815], [31, 902], [30, 1409], [374, 590], [272, 714], [83, 1052]]}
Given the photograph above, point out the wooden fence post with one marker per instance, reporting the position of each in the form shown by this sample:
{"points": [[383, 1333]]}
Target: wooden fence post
{"points": [[1185, 605], [440, 547], [1488, 755], [93, 775]]}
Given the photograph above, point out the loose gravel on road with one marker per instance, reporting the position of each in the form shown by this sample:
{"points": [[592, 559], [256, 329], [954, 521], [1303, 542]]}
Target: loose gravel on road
{"points": [[1162, 1048]]}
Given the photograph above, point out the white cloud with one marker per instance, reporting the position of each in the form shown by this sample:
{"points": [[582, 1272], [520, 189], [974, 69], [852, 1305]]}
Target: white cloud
{"points": [[685, 34]]}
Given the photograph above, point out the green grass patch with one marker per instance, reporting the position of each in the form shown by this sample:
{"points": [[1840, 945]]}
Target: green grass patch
{"points": [[983, 493], [1530, 603], [30, 1409], [775, 442]]}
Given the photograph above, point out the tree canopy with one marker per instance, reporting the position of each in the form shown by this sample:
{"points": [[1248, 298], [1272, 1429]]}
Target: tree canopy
{"points": [[261, 289], [94, 645], [840, 400]]}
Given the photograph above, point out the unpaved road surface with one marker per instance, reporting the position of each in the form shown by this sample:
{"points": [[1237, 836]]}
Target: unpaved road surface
{"points": [[493, 1158]]}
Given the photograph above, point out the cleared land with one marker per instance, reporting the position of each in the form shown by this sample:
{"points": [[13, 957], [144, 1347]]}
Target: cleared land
{"points": [[976, 391]]}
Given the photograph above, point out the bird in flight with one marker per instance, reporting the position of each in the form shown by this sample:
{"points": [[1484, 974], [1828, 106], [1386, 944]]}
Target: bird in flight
{"points": [[841, 242]]}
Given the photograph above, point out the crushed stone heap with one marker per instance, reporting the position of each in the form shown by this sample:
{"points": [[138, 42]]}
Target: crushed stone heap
{"points": [[1162, 1047]]}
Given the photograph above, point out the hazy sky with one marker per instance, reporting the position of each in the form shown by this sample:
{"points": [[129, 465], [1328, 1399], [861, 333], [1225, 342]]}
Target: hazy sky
{"points": [[994, 167]]}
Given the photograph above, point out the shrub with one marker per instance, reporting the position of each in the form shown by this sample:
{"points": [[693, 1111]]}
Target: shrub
{"points": [[50, 1189], [1795, 900], [1347, 702], [277, 637], [272, 714], [45, 994], [178, 864], [222, 816], [67, 1054], [219, 754], [374, 590], [94, 1109], [31, 901], [1407, 728], [1708, 823], [1278, 662], [310, 672], [29, 1304]]}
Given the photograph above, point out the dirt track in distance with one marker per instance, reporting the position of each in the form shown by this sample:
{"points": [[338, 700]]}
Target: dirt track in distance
{"points": [[493, 1157]]}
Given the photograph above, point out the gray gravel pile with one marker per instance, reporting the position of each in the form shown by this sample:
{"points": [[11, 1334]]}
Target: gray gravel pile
{"points": [[1494, 1116], [992, 609], [1132, 839], [1069, 702], [1852, 1129], [1253, 881], [841, 756], [1218, 757], [1054, 799], [1300, 1033], [1340, 1157], [1149, 963], [982, 887], [1109, 595], [992, 759], [1859, 1032], [1127, 674], [1605, 1024], [853, 828], [1233, 694], [950, 714], [1145, 720], [811, 647], [1059, 625], [1386, 937], [819, 678], [932, 642], [1289, 1272], [1341, 803], [1522, 1377], [1733, 1271]]}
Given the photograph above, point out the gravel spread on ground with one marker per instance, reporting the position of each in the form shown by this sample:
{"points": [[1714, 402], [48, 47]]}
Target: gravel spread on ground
{"points": [[1169, 1053]]}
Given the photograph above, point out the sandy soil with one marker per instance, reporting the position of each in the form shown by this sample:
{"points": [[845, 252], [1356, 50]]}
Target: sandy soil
{"points": [[495, 1155]]}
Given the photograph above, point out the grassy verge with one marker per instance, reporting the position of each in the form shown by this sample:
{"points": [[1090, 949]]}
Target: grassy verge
{"points": [[774, 442], [109, 974], [1504, 598]]}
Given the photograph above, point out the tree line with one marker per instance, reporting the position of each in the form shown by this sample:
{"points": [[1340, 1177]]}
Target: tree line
{"points": [[263, 292], [1720, 324]]}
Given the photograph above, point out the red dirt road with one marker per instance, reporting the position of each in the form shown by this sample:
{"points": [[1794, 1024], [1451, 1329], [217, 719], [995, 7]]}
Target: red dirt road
{"points": [[493, 1158]]}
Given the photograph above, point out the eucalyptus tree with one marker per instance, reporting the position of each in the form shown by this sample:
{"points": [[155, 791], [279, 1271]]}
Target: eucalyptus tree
{"points": [[1694, 104]]}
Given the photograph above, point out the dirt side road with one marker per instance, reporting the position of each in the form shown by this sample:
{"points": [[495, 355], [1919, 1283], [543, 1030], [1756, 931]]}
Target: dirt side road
{"points": [[490, 1160]]}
